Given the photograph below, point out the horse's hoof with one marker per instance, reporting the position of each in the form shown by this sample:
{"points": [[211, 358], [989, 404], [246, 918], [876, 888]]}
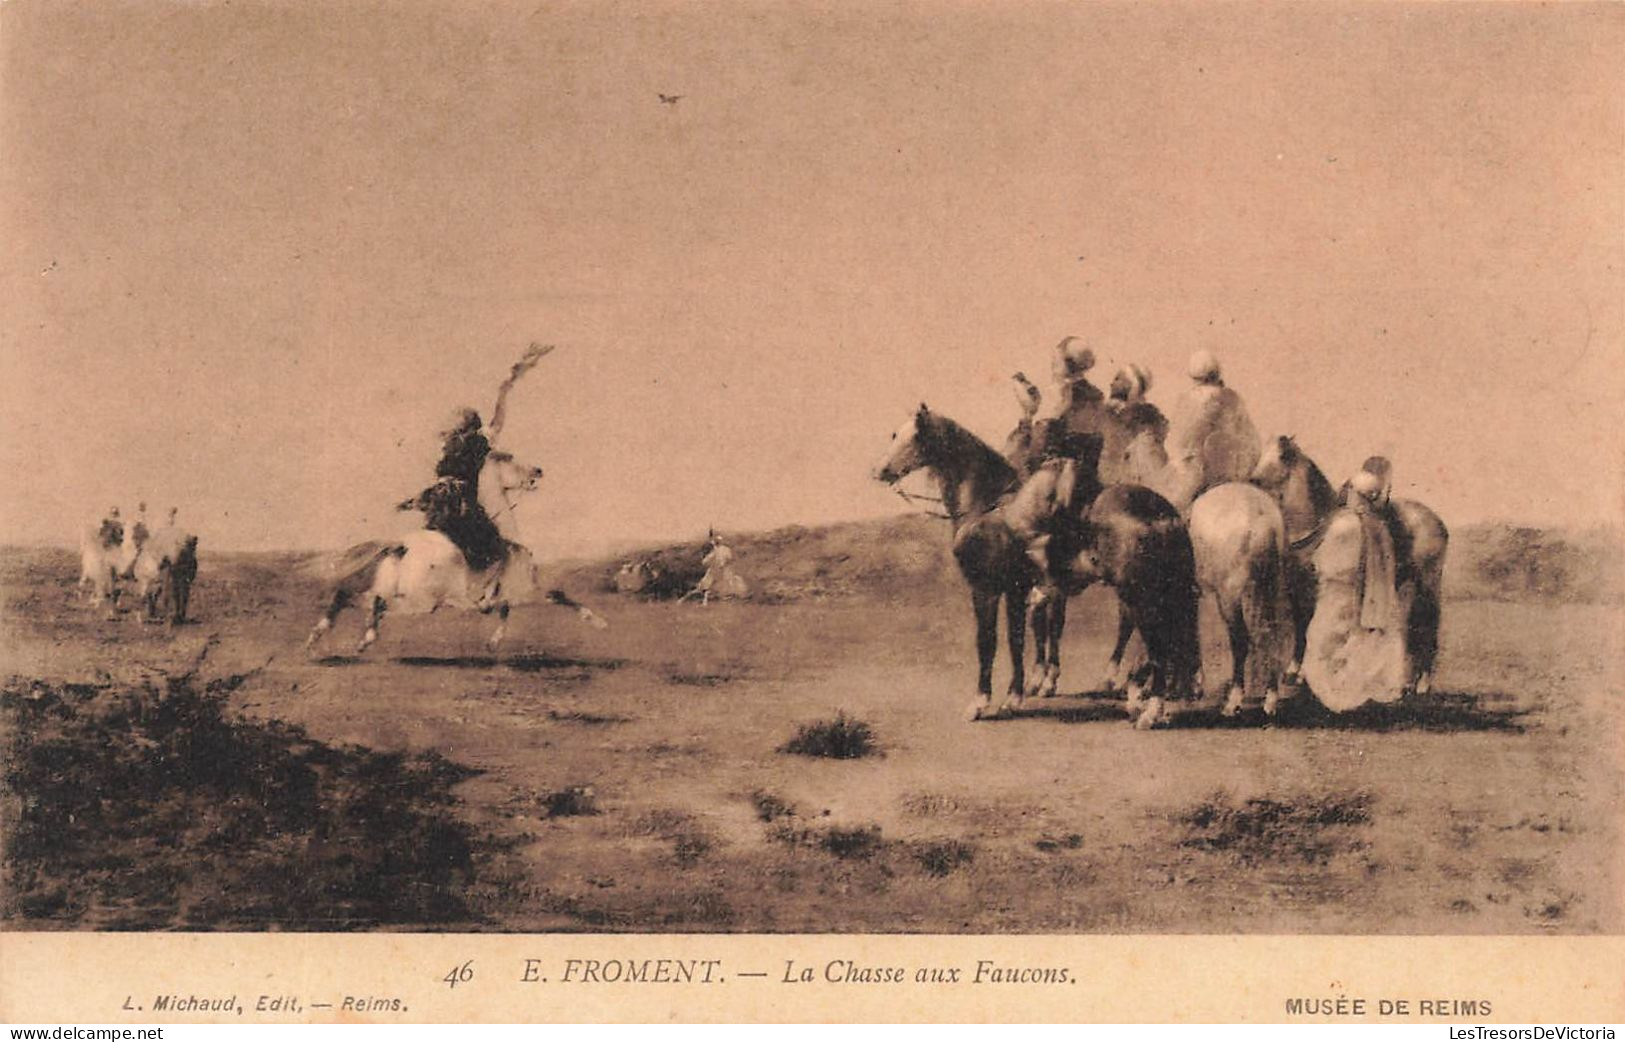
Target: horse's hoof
{"points": [[1424, 685], [1232, 702], [976, 711], [1134, 699], [1272, 702], [1151, 716], [1047, 688]]}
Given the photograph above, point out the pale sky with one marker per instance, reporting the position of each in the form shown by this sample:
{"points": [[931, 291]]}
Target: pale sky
{"points": [[253, 253]]}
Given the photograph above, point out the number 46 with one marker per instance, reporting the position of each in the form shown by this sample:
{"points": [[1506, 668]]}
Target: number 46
{"points": [[460, 974]]}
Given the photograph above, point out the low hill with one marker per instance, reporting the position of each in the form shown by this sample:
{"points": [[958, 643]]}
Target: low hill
{"points": [[899, 555], [888, 556]]}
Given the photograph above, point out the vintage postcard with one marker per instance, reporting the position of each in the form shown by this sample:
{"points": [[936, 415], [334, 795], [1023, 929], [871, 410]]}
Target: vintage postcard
{"points": [[916, 510]]}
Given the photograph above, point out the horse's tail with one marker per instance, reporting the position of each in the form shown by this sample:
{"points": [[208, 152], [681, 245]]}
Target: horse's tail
{"points": [[343, 567], [584, 613], [1161, 592], [1265, 611]]}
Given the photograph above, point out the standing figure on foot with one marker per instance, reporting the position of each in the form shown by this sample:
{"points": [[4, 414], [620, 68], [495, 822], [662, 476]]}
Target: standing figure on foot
{"points": [[720, 579], [1355, 648]]}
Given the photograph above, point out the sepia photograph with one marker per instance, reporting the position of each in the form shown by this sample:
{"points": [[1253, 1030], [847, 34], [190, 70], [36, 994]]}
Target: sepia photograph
{"points": [[918, 467]]}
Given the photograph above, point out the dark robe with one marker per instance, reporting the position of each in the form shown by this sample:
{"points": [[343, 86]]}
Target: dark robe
{"points": [[452, 504]]}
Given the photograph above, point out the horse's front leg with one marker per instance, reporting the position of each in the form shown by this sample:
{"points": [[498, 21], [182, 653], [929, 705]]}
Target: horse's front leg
{"points": [[1015, 617], [986, 605], [1040, 630], [1056, 624], [1301, 593]]}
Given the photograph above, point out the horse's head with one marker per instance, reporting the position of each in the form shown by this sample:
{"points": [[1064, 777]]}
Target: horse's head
{"points": [[909, 448], [508, 475], [1276, 463]]}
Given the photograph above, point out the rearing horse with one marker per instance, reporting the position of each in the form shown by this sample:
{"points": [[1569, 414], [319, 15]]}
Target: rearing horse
{"points": [[975, 481]]}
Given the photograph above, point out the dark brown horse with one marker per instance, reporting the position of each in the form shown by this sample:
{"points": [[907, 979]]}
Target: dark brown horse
{"points": [[1126, 536], [1307, 501], [975, 481], [1235, 533], [1135, 541]]}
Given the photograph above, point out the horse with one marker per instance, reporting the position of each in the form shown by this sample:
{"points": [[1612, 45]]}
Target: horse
{"points": [[425, 570], [1237, 536], [107, 552], [975, 480], [1127, 537], [163, 572], [1308, 500], [1135, 541]]}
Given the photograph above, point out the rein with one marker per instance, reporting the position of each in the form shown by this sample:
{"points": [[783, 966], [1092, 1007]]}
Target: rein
{"points": [[1310, 540], [913, 497], [508, 504]]}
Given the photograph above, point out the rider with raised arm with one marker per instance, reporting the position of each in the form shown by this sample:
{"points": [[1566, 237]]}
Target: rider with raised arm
{"points": [[452, 504]]}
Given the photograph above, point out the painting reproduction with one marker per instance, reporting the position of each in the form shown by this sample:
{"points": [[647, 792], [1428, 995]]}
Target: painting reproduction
{"points": [[780, 468]]}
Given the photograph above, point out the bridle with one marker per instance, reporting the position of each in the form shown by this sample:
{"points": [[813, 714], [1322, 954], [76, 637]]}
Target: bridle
{"points": [[914, 497]]}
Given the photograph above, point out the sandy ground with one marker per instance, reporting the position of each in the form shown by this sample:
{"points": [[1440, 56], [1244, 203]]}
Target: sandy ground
{"points": [[1490, 807]]}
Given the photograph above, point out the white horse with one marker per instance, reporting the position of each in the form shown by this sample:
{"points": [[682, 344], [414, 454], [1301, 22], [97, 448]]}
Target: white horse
{"points": [[106, 556], [425, 571]]}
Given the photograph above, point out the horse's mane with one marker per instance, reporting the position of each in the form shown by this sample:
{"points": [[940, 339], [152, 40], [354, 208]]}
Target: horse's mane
{"points": [[1321, 498], [1321, 492], [963, 444]]}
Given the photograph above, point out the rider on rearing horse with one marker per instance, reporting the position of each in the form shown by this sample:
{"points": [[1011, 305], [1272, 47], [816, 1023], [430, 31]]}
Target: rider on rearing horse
{"points": [[452, 504]]}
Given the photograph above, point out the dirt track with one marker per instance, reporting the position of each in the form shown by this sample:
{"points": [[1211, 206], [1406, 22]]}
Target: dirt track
{"points": [[1489, 808]]}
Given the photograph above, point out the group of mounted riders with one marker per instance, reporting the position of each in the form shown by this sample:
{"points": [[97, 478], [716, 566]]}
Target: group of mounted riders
{"points": [[1102, 486], [162, 562]]}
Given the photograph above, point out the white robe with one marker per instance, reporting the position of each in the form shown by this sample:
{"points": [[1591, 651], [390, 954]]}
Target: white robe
{"points": [[720, 579], [1211, 440], [1355, 651]]}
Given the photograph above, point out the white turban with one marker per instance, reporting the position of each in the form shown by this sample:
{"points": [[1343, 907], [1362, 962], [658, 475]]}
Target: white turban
{"points": [[1366, 484], [1204, 367], [1075, 356]]}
